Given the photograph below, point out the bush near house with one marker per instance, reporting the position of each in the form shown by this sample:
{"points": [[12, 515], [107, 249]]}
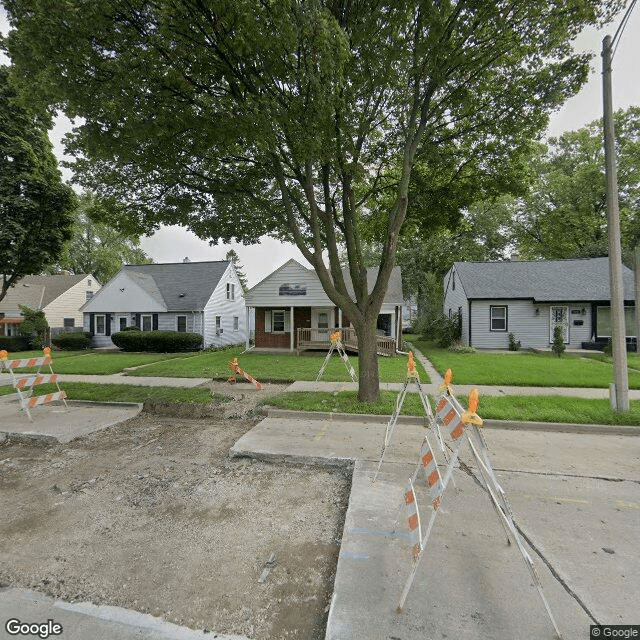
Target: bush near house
{"points": [[13, 343], [72, 341], [157, 341]]}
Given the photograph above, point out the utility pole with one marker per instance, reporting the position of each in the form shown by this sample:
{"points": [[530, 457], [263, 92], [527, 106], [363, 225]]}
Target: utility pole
{"points": [[620, 388], [636, 255]]}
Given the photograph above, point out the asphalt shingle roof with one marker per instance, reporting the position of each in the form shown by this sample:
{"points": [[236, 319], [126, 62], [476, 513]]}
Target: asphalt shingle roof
{"points": [[165, 282], [393, 294], [39, 290], [543, 281]]}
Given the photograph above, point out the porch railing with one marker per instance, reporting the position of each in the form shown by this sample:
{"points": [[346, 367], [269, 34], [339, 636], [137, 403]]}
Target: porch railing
{"points": [[319, 339]]}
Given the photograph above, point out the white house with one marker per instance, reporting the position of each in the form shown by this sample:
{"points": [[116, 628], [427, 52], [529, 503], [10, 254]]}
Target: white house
{"points": [[529, 299], [196, 297], [60, 297], [292, 311]]}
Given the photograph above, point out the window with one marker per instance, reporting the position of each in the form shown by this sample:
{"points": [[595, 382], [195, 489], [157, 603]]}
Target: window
{"points": [[603, 321], [219, 328], [147, 322], [323, 320], [277, 321], [89, 283], [89, 295], [69, 323], [100, 324], [231, 291], [498, 318], [181, 324], [235, 323], [122, 323]]}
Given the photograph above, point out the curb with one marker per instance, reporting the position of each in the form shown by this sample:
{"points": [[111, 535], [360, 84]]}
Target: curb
{"points": [[557, 427]]}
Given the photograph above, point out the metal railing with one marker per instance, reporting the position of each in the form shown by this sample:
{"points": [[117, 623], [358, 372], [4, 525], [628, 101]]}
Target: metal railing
{"points": [[319, 339]]}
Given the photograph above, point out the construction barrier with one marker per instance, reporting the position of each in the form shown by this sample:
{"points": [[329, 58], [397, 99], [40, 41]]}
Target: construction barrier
{"points": [[235, 367], [336, 345], [24, 387], [462, 426]]}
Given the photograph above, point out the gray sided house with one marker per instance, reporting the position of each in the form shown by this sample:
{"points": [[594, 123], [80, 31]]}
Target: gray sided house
{"points": [[196, 297], [529, 299]]}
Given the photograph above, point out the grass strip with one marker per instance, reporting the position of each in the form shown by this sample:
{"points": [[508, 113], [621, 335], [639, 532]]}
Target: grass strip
{"points": [[265, 367], [523, 369], [128, 393], [514, 408]]}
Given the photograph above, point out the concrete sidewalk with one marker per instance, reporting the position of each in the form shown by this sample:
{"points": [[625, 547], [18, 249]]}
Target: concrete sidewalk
{"points": [[576, 498], [121, 378]]}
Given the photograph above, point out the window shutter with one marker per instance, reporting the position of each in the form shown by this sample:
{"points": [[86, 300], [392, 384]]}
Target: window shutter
{"points": [[155, 321], [267, 321], [136, 320], [107, 324], [92, 323]]}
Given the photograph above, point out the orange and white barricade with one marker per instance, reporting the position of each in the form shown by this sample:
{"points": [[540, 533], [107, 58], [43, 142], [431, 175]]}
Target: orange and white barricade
{"points": [[463, 426], [336, 345], [24, 386], [235, 367]]}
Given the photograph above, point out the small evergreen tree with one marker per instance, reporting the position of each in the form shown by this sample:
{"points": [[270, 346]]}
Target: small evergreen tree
{"points": [[558, 345], [34, 327], [235, 258]]}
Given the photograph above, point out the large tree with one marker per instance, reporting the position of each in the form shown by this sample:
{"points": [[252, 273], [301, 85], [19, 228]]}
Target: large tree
{"points": [[96, 247], [35, 205], [564, 215], [291, 117]]}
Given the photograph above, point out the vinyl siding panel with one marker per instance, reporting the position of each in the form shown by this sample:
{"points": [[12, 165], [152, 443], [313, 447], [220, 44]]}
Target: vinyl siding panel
{"points": [[531, 329], [67, 305], [455, 299], [122, 295], [218, 305], [266, 293]]}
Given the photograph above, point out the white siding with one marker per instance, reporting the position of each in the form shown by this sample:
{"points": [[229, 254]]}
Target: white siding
{"points": [[530, 328], [218, 305], [121, 295], [266, 293], [456, 299], [68, 304]]}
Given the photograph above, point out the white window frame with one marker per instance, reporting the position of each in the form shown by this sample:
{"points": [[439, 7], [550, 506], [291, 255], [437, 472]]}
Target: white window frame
{"points": [[142, 317], [236, 323], [231, 291], [182, 315], [69, 326], [505, 319], [104, 324], [273, 320], [88, 295], [120, 319]]}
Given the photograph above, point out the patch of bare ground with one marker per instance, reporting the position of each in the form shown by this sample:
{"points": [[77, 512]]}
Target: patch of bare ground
{"points": [[153, 515]]}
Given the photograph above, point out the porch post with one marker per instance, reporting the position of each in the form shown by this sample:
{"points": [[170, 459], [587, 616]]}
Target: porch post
{"points": [[247, 330], [339, 318], [291, 329]]}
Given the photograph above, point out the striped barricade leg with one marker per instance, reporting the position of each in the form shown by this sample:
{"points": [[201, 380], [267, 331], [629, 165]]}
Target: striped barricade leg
{"points": [[345, 358], [324, 364]]}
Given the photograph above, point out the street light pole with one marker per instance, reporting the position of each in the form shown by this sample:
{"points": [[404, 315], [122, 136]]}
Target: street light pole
{"points": [[620, 391]]}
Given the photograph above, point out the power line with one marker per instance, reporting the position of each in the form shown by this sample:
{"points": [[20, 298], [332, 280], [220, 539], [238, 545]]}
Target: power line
{"points": [[618, 34]]}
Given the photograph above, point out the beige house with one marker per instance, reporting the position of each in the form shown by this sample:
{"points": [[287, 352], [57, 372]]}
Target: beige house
{"points": [[59, 296]]}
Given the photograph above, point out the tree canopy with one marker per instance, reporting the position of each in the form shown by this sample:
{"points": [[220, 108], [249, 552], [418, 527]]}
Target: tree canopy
{"points": [[35, 205], [301, 119], [96, 247]]}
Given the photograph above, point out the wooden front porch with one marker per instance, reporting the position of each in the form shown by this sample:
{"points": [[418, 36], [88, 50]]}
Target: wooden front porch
{"points": [[319, 339]]}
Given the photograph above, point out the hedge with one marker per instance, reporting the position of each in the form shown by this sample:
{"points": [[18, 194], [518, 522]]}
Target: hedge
{"points": [[72, 341], [157, 341], [13, 343]]}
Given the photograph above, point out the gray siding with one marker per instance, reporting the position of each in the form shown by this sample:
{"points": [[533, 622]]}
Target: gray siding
{"points": [[530, 328], [455, 299], [218, 305]]}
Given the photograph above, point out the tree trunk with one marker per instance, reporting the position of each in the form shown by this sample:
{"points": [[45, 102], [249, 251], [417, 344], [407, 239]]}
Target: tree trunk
{"points": [[368, 382]]}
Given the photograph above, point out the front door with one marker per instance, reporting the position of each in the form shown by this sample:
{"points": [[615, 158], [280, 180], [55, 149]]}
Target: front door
{"points": [[321, 324], [559, 317]]}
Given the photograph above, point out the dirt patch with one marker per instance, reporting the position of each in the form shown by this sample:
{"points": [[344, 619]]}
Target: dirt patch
{"points": [[153, 515]]}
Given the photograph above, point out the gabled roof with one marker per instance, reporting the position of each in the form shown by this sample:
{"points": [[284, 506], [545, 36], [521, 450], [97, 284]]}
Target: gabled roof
{"points": [[37, 292], [581, 280], [165, 282]]}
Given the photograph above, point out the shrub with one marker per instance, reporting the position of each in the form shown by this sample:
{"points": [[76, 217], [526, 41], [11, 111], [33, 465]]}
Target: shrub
{"points": [[461, 348], [444, 331], [34, 327], [72, 341], [513, 344], [608, 348], [157, 341], [130, 329], [13, 343], [558, 345]]}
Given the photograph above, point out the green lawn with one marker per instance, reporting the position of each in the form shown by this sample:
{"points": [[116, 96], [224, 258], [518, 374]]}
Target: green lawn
{"points": [[523, 369], [266, 367], [127, 393], [524, 408], [101, 363]]}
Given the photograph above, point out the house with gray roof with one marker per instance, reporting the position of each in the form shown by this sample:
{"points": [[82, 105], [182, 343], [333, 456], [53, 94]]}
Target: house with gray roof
{"points": [[529, 299], [59, 296], [196, 297], [293, 312]]}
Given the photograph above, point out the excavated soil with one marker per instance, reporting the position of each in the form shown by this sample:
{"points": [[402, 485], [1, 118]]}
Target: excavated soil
{"points": [[153, 515]]}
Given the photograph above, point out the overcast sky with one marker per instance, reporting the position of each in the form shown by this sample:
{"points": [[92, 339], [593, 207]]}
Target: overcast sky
{"points": [[172, 244]]}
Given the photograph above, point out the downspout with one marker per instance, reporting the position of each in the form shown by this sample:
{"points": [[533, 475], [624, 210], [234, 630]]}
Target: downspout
{"points": [[470, 324]]}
